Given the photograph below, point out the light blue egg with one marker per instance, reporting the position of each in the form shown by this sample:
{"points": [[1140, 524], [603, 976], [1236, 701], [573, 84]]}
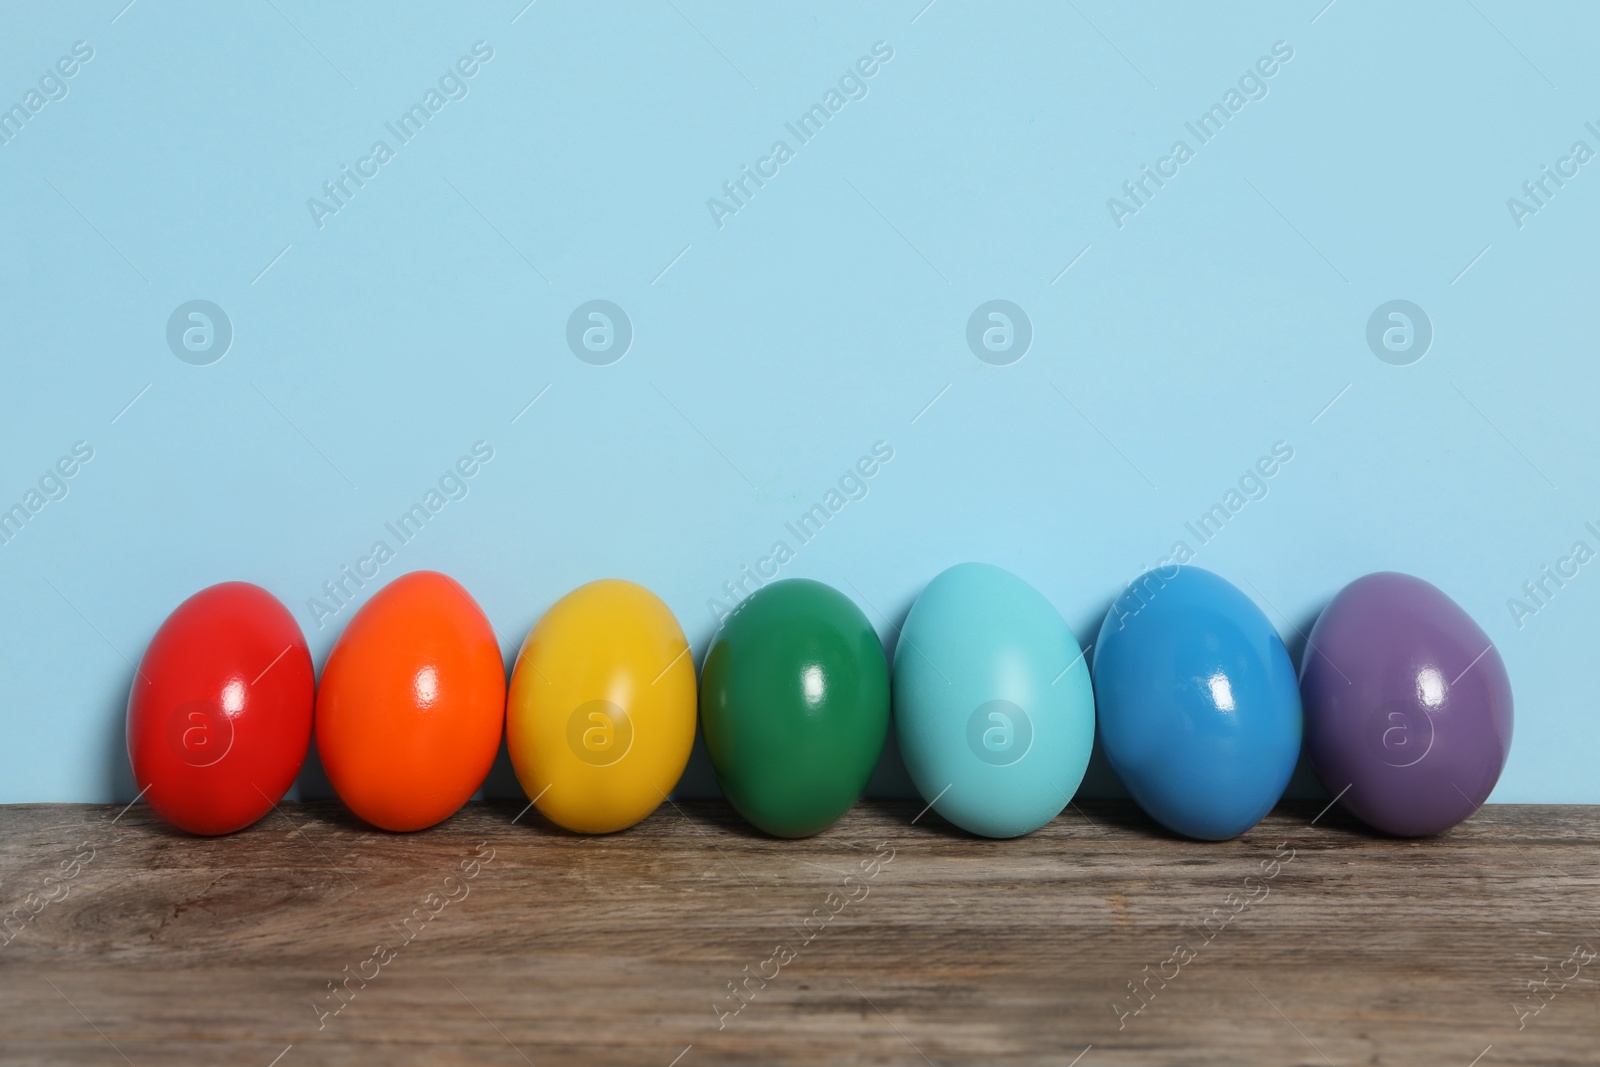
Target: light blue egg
{"points": [[1199, 707], [993, 706]]}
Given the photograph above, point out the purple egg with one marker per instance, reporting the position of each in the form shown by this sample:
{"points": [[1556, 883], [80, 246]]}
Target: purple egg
{"points": [[1407, 705]]}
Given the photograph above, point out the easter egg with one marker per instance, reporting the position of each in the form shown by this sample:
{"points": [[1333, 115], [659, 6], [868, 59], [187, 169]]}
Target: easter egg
{"points": [[601, 712], [794, 705], [219, 717], [1408, 706], [993, 707], [1198, 707], [411, 703]]}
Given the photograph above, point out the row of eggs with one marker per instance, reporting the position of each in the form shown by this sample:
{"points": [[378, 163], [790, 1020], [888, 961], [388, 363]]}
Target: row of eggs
{"points": [[1403, 702]]}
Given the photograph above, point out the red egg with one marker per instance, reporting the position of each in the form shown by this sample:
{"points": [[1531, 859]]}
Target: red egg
{"points": [[219, 718], [412, 703]]}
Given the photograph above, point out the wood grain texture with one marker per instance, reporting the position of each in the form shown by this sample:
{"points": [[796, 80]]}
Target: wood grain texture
{"points": [[1345, 948]]}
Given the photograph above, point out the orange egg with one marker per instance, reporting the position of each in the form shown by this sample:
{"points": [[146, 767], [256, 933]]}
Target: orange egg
{"points": [[411, 704]]}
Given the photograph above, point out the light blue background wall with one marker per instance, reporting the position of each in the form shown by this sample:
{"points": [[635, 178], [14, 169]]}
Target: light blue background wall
{"points": [[769, 353]]}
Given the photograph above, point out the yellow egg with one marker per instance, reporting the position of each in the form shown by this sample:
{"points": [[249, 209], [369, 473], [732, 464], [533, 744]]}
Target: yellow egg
{"points": [[601, 712]]}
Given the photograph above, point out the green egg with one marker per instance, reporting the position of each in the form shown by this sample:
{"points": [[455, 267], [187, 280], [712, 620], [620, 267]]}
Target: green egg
{"points": [[794, 705]]}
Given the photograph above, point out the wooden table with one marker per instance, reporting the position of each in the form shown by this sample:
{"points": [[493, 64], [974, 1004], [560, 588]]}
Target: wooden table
{"points": [[889, 939]]}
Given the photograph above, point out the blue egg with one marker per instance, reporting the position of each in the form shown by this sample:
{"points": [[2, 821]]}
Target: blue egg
{"points": [[1199, 709], [993, 706]]}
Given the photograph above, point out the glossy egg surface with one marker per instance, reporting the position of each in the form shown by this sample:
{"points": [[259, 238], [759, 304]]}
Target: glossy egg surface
{"points": [[794, 704], [411, 703], [219, 717], [993, 708], [1199, 711], [601, 713], [1408, 705]]}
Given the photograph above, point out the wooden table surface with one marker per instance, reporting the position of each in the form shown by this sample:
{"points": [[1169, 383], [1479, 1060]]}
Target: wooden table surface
{"points": [[888, 939]]}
